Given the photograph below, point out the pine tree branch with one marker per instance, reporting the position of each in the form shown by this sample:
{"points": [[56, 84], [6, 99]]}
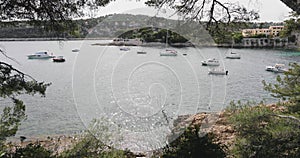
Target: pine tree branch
{"points": [[287, 117], [4, 54], [16, 70]]}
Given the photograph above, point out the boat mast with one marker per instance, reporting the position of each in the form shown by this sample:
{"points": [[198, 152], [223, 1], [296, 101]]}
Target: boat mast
{"points": [[167, 38]]}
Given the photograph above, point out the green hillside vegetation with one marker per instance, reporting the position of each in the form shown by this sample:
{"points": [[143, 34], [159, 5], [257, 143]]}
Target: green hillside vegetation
{"points": [[150, 34]]}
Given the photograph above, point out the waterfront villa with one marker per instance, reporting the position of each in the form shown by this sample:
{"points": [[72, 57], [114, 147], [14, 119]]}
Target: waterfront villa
{"points": [[272, 31]]}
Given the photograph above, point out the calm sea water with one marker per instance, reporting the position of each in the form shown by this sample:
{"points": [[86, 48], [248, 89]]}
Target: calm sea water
{"points": [[134, 89]]}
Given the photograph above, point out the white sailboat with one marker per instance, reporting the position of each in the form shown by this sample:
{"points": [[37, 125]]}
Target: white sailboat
{"points": [[168, 52], [233, 55]]}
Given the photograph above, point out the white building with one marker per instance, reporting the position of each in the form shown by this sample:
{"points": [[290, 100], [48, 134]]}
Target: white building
{"points": [[272, 31]]}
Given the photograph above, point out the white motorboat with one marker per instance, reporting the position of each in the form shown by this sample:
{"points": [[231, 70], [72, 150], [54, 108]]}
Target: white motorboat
{"points": [[210, 62], [218, 72], [40, 55], [233, 55], [277, 68], [168, 52]]}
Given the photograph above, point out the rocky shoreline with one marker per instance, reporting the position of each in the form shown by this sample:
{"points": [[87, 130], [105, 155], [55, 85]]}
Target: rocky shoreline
{"points": [[216, 123], [61, 143]]}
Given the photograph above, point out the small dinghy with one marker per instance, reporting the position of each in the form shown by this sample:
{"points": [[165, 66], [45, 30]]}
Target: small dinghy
{"points": [[59, 59], [141, 52], [75, 50]]}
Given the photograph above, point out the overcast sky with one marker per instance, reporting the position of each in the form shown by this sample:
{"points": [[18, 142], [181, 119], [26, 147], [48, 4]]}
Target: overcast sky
{"points": [[269, 10]]}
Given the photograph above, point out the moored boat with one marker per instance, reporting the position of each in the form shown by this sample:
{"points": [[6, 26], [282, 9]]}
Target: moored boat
{"points": [[218, 72], [168, 52], [277, 68], [124, 48], [40, 55], [141, 52], [75, 50], [59, 59], [232, 55], [210, 62]]}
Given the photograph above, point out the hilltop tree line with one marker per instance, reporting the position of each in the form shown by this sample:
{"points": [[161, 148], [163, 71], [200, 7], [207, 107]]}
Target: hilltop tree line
{"points": [[27, 29]]}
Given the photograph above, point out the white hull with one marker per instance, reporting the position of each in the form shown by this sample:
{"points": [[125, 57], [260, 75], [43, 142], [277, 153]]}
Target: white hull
{"points": [[168, 53], [40, 55], [210, 62], [278, 68], [233, 56], [217, 72]]}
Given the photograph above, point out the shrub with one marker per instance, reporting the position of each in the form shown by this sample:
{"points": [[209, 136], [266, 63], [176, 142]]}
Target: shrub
{"points": [[31, 151], [262, 132], [191, 145], [92, 146]]}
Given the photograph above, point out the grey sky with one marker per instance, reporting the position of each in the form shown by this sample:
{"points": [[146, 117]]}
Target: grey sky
{"points": [[269, 10]]}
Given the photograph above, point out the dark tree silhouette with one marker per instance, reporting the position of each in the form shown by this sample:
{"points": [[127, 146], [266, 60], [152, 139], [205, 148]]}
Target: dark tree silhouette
{"points": [[57, 11], [13, 83], [212, 11]]}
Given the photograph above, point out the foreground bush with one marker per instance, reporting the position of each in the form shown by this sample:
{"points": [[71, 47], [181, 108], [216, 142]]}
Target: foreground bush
{"points": [[270, 132], [91, 144], [191, 145], [262, 132], [30, 151], [91, 147]]}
